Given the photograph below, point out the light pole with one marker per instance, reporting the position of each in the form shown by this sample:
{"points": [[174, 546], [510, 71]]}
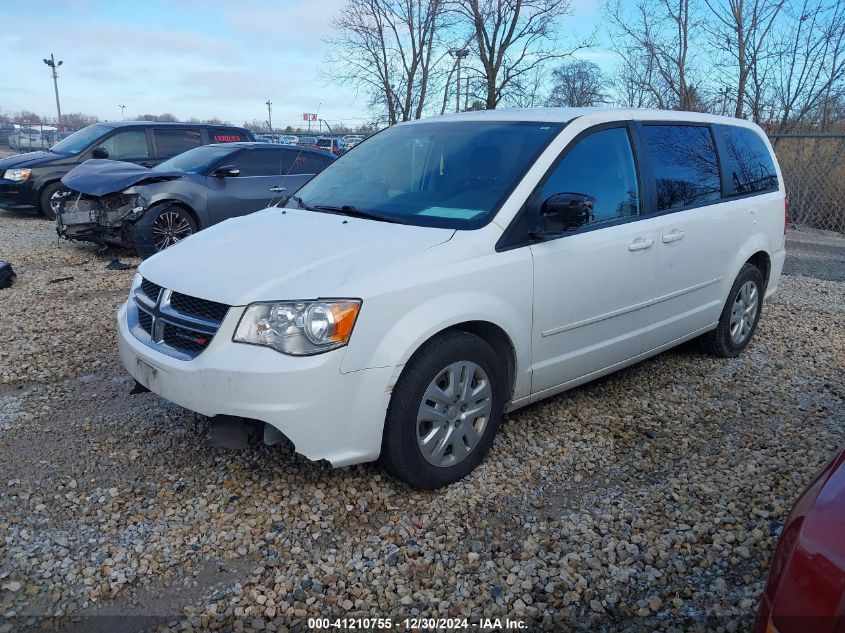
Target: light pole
{"points": [[122, 108], [458, 54], [270, 115], [52, 63]]}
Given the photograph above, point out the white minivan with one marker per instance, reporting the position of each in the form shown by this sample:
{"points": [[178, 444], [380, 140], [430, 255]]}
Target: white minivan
{"points": [[453, 268]]}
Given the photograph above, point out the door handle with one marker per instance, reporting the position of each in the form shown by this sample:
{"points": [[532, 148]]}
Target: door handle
{"points": [[640, 244], [278, 189], [674, 236]]}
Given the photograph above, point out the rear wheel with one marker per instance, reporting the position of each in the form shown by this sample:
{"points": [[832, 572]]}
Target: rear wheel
{"points": [[49, 202], [445, 411], [739, 317], [162, 226]]}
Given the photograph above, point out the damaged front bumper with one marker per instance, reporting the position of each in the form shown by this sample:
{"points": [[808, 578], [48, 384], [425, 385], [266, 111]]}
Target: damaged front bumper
{"points": [[100, 219]]}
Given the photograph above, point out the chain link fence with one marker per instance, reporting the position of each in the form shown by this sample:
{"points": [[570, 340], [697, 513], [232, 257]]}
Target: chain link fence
{"points": [[813, 167], [24, 136]]}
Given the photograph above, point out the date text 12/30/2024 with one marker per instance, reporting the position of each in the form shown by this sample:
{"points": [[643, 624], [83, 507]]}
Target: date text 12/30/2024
{"points": [[408, 624]]}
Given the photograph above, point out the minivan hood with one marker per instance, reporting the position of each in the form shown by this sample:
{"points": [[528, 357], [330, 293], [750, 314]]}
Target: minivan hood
{"points": [[100, 176], [286, 254], [28, 160]]}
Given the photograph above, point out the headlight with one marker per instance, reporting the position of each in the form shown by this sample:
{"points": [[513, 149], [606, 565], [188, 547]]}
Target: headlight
{"points": [[17, 175], [299, 328]]}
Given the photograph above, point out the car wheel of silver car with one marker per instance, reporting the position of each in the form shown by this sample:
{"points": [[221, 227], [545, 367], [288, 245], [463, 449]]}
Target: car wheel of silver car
{"points": [[445, 411], [51, 198], [162, 226], [740, 315]]}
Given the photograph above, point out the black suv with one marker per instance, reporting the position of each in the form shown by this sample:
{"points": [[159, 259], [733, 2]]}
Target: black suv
{"points": [[32, 180]]}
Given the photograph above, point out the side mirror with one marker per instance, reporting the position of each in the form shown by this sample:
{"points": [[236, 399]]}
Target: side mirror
{"points": [[226, 171], [100, 152], [564, 212]]}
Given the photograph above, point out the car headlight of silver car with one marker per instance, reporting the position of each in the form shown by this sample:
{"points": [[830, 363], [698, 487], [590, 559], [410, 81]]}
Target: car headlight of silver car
{"points": [[18, 175], [299, 328]]}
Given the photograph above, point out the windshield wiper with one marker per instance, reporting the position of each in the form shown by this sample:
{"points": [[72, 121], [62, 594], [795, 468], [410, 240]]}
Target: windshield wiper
{"points": [[348, 209], [302, 204]]}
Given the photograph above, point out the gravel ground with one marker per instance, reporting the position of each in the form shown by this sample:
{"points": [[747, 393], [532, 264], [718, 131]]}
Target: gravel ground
{"points": [[819, 254], [649, 500]]}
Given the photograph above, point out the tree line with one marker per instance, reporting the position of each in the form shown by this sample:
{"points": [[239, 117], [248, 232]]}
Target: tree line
{"points": [[780, 63]]}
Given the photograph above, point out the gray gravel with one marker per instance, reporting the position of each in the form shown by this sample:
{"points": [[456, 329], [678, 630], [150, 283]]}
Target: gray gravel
{"points": [[649, 500]]}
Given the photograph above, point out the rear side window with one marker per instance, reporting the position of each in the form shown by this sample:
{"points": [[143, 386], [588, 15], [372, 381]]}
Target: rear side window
{"points": [[226, 136], [127, 144], [173, 141], [306, 162], [748, 163], [262, 162], [600, 165], [684, 165]]}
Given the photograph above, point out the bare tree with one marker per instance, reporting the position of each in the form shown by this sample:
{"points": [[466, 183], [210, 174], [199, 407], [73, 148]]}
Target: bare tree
{"points": [[810, 78], [513, 39], [656, 36], [389, 48], [78, 120], [741, 31], [578, 84]]}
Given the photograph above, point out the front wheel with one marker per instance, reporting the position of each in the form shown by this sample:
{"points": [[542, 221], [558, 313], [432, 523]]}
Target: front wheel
{"points": [[161, 226], [445, 411], [739, 317], [50, 200]]}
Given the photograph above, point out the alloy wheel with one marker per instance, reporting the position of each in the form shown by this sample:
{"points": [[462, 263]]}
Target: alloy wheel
{"points": [[169, 228]]}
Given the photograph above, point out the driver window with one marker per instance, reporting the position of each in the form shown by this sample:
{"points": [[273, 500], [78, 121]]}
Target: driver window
{"points": [[601, 165], [127, 144]]}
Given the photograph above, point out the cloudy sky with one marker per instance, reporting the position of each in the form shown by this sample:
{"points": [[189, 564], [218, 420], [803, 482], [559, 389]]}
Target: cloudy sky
{"points": [[194, 58]]}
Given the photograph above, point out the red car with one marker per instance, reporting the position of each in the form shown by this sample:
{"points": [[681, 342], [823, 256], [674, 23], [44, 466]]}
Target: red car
{"points": [[805, 592]]}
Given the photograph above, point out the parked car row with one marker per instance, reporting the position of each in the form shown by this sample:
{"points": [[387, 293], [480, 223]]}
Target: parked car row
{"points": [[337, 145], [111, 202], [32, 181]]}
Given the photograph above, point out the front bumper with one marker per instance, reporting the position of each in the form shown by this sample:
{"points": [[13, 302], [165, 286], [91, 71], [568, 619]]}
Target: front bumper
{"points": [[17, 196], [326, 413]]}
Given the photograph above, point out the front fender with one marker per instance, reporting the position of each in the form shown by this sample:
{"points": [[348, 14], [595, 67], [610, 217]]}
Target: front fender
{"points": [[393, 326]]}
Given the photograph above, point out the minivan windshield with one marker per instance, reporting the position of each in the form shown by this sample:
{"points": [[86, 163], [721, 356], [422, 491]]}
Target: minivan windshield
{"points": [[79, 141], [451, 174], [197, 160]]}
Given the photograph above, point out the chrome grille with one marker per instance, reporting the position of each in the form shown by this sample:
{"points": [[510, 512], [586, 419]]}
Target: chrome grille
{"points": [[198, 307], [145, 320], [175, 324], [150, 289]]}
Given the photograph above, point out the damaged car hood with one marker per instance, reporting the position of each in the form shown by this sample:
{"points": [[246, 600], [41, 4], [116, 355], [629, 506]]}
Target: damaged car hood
{"points": [[98, 177], [286, 254]]}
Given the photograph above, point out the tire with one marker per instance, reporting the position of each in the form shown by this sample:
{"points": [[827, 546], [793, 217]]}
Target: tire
{"points": [[151, 234], [455, 443], [46, 201], [734, 333]]}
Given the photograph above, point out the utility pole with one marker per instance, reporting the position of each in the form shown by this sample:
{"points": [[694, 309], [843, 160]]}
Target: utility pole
{"points": [[122, 108], [466, 96], [54, 65], [458, 54], [270, 115]]}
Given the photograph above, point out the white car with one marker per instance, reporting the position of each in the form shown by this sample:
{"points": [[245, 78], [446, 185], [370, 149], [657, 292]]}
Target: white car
{"points": [[27, 138], [454, 268]]}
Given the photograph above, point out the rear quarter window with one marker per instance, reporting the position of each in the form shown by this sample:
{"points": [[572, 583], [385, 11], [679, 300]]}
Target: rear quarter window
{"points": [[172, 141], [226, 136], [684, 165], [748, 163]]}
